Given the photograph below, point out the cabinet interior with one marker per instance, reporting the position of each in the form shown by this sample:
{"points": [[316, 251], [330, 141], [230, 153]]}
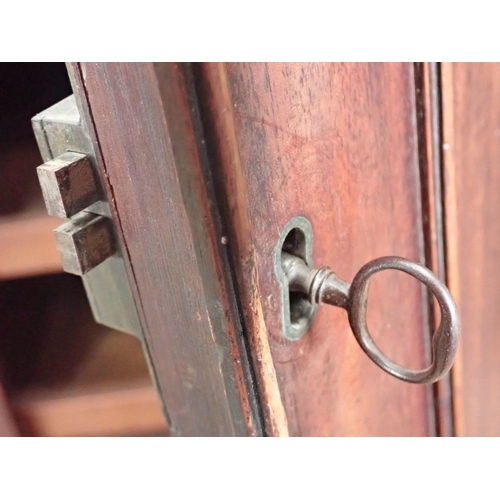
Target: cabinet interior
{"points": [[63, 373]]}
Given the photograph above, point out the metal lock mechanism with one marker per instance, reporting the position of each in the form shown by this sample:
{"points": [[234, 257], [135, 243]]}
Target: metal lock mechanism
{"points": [[86, 242], [304, 288]]}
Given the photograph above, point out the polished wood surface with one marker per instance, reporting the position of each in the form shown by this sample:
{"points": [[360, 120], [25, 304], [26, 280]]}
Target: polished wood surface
{"points": [[471, 124], [153, 164], [428, 96], [336, 143]]}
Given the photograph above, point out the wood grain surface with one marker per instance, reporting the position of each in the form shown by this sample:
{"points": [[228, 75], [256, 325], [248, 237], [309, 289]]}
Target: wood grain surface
{"points": [[428, 96], [471, 123], [336, 143], [153, 164]]}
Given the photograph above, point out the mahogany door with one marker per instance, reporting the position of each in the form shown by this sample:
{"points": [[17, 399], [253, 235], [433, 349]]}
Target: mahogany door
{"points": [[204, 165]]}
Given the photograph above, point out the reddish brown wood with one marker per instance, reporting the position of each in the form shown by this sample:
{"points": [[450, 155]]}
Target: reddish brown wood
{"points": [[27, 245], [471, 119], [65, 374], [8, 427], [106, 412], [143, 118], [336, 143], [427, 87]]}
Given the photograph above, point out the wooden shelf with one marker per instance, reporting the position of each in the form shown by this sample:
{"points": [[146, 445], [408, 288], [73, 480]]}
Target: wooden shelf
{"points": [[107, 411], [63, 374], [8, 427], [27, 245], [74, 376], [108, 393]]}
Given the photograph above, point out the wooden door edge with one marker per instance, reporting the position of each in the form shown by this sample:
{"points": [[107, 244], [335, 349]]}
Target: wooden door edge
{"points": [[451, 229]]}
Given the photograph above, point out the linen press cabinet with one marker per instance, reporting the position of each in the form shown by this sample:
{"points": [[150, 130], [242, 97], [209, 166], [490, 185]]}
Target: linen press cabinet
{"points": [[210, 170]]}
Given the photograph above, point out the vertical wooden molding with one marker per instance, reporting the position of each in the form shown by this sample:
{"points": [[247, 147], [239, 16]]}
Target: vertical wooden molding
{"points": [[274, 411], [179, 83], [451, 228], [143, 120], [429, 132], [75, 72]]}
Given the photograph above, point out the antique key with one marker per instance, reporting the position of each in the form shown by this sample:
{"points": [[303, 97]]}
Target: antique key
{"points": [[322, 286]]}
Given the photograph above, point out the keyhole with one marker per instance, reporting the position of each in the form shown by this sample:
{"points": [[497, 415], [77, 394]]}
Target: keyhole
{"points": [[295, 244], [297, 311]]}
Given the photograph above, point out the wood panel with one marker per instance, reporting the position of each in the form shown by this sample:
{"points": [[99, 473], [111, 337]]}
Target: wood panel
{"points": [[336, 143], [471, 123], [153, 164], [428, 96]]}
